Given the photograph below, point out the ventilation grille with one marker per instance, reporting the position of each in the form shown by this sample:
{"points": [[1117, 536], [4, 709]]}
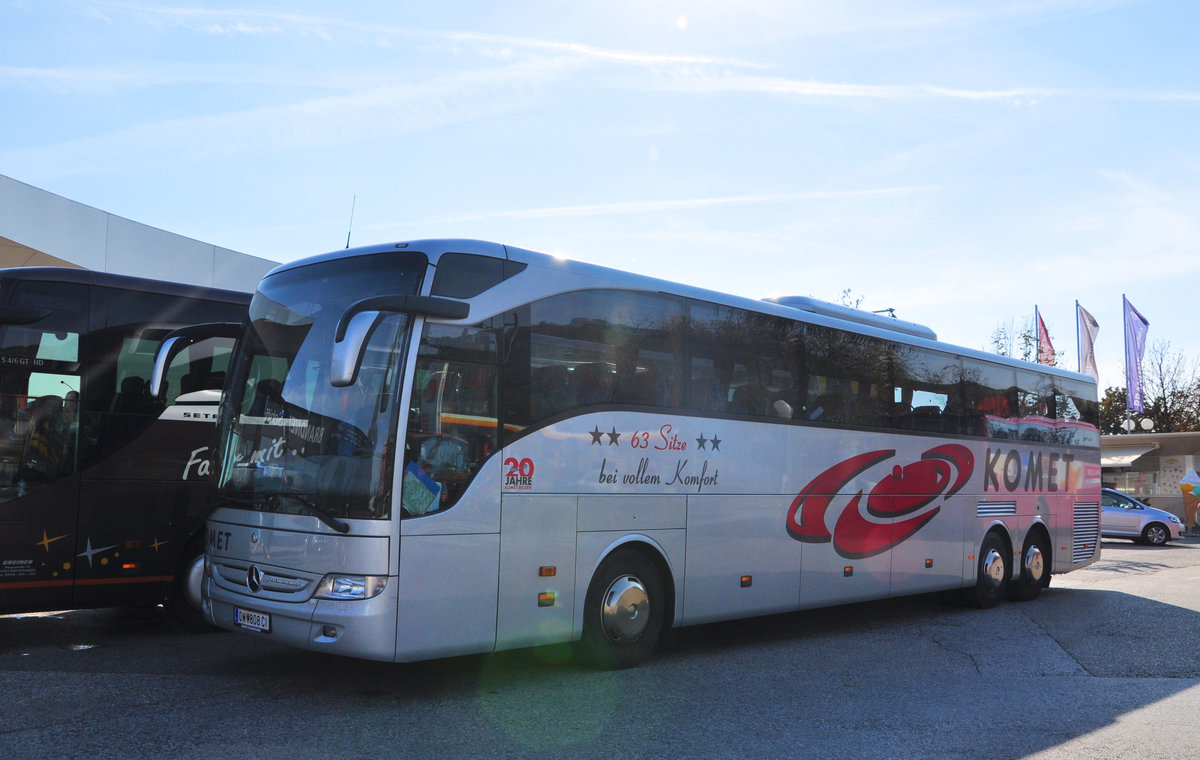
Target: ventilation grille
{"points": [[1086, 531], [996, 509]]}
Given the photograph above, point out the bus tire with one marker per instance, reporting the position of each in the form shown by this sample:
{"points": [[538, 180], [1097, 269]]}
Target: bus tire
{"points": [[992, 573], [623, 611], [1035, 568], [184, 604]]}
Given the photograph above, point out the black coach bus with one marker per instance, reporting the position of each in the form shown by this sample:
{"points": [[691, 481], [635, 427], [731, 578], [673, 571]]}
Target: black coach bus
{"points": [[103, 487]]}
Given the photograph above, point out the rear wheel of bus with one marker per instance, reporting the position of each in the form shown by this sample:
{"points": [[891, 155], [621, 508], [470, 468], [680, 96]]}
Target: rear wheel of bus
{"points": [[623, 611], [1035, 567], [992, 572]]}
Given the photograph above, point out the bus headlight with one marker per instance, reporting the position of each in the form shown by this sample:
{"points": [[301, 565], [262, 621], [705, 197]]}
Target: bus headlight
{"points": [[342, 587]]}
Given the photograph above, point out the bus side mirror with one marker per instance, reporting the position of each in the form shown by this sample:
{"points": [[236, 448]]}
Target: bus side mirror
{"points": [[362, 317], [348, 351], [177, 340]]}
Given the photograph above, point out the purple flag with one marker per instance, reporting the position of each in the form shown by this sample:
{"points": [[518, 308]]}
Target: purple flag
{"points": [[1136, 327]]}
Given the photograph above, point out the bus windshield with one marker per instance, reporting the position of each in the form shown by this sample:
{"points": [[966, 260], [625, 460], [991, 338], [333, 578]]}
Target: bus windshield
{"points": [[40, 372], [291, 441]]}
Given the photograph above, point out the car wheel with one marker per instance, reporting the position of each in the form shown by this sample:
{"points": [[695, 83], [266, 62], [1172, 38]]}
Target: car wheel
{"points": [[1156, 534], [623, 611]]}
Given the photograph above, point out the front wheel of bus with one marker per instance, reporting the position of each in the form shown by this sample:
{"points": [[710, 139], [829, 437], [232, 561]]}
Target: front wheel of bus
{"points": [[185, 602], [993, 572], [623, 611]]}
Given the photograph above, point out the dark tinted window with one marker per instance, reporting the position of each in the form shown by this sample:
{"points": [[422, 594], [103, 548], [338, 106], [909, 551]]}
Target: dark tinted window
{"points": [[990, 399], [607, 346], [587, 348], [743, 363], [848, 377], [466, 275], [926, 390]]}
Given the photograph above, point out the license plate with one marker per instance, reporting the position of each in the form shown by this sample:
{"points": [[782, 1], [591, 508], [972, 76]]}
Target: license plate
{"points": [[255, 621]]}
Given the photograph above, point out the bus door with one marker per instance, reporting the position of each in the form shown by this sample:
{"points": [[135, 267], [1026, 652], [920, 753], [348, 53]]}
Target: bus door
{"points": [[40, 432]]}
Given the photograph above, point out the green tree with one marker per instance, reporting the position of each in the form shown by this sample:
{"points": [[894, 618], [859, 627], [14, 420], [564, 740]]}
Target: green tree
{"points": [[1113, 406], [1172, 393]]}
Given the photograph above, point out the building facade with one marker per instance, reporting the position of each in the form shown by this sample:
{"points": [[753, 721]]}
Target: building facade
{"points": [[1149, 466], [39, 228]]}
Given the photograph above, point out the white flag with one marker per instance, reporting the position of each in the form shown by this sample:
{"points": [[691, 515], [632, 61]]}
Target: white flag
{"points": [[1089, 328]]}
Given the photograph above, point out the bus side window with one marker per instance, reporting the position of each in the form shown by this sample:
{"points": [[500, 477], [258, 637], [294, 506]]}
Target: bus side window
{"points": [[452, 421]]}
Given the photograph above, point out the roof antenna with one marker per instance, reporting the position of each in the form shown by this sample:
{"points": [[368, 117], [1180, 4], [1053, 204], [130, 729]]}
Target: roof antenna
{"points": [[351, 227]]}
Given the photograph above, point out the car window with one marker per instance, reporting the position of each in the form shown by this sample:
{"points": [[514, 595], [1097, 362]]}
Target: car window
{"points": [[1116, 501]]}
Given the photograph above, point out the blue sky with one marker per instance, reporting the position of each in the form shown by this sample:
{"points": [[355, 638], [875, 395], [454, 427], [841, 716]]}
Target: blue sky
{"points": [[960, 162]]}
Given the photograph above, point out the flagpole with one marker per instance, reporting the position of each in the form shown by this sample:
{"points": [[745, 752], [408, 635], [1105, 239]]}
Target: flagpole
{"points": [[1125, 326], [1079, 342]]}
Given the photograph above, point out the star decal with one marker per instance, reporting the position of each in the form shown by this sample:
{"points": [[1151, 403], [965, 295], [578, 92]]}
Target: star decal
{"points": [[158, 543], [596, 435], [46, 541], [90, 552], [613, 437], [703, 443]]}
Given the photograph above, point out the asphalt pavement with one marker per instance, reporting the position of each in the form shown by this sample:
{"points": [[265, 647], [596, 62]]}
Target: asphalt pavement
{"points": [[1104, 665]]}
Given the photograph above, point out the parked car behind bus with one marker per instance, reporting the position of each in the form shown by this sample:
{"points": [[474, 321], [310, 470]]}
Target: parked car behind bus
{"points": [[1126, 517]]}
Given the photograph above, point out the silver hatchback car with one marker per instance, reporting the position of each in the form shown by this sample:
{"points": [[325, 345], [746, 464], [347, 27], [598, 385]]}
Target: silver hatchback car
{"points": [[1126, 517]]}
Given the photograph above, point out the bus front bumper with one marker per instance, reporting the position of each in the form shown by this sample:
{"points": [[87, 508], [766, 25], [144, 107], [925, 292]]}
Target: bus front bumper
{"points": [[361, 628]]}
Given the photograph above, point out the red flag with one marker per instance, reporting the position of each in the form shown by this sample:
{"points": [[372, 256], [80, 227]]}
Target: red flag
{"points": [[1045, 354]]}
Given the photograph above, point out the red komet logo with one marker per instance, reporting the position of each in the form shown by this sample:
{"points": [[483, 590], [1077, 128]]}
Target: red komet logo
{"points": [[940, 473]]}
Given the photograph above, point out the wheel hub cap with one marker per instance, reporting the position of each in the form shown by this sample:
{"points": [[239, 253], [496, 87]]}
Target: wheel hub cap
{"points": [[1035, 563], [993, 568], [625, 610]]}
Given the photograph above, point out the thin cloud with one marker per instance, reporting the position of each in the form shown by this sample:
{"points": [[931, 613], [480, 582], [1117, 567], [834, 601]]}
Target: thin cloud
{"points": [[660, 206], [371, 113], [237, 21]]}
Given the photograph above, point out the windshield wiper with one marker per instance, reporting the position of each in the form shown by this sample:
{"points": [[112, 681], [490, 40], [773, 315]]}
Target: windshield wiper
{"points": [[265, 500], [341, 526]]}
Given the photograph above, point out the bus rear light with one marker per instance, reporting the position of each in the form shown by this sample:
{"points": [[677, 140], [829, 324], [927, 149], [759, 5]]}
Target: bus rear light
{"points": [[350, 587], [129, 566], [747, 581], [847, 571]]}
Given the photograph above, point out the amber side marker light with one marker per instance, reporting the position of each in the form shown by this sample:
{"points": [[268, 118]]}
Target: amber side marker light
{"points": [[129, 566], [747, 581], [546, 599], [547, 571]]}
